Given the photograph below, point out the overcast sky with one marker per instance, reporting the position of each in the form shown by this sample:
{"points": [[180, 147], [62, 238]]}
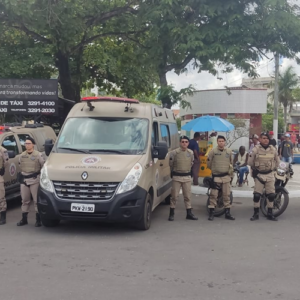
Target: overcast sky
{"points": [[204, 80]]}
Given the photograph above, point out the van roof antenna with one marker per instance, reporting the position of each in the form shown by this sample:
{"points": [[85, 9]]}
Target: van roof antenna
{"points": [[128, 108], [90, 106]]}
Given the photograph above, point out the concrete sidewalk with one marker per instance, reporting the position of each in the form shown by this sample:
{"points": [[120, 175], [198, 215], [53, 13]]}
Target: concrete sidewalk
{"points": [[246, 191]]}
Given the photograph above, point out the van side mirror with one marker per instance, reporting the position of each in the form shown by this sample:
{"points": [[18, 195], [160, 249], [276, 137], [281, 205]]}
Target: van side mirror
{"points": [[11, 154], [160, 151], [48, 146]]}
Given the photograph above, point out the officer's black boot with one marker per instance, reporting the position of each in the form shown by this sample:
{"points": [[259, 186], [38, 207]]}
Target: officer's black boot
{"points": [[189, 215], [228, 216], [270, 215], [211, 214], [38, 220], [3, 218], [256, 214], [24, 220], [171, 216]]}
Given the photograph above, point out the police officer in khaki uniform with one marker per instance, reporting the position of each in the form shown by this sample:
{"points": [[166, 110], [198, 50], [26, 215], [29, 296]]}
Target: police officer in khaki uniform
{"points": [[220, 162], [31, 163], [181, 161], [3, 161], [264, 160]]}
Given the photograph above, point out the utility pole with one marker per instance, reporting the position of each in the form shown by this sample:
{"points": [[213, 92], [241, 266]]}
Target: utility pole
{"points": [[276, 97]]}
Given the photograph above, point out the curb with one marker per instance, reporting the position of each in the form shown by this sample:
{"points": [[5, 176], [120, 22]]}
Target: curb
{"points": [[199, 190]]}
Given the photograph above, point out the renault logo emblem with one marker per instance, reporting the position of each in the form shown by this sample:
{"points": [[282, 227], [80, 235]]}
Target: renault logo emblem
{"points": [[84, 175]]}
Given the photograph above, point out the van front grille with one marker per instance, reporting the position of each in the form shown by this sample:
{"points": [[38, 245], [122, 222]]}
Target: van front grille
{"points": [[69, 190]]}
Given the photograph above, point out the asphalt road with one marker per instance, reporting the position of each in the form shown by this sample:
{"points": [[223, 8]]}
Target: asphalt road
{"points": [[173, 260]]}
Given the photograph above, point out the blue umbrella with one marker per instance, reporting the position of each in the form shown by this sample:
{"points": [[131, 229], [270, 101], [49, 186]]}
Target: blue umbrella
{"points": [[208, 123]]}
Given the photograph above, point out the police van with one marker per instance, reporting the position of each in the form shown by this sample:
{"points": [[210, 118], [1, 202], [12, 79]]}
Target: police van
{"points": [[12, 138], [109, 163]]}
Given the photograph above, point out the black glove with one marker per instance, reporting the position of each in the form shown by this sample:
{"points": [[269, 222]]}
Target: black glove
{"points": [[254, 173], [20, 178]]}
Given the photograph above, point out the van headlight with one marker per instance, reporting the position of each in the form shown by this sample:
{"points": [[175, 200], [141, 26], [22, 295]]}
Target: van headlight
{"points": [[131, 179], [45, 182]]}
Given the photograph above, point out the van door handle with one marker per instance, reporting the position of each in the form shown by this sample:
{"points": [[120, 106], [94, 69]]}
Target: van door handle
{"points": [[161, 164]]}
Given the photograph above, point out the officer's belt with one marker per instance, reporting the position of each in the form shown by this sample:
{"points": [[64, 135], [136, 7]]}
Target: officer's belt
{"points": [[31, 175], [264, 173], [181, 174], [220, 175]]}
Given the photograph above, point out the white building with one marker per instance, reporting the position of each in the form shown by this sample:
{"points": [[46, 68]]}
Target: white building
{"points": [[242, 106]]}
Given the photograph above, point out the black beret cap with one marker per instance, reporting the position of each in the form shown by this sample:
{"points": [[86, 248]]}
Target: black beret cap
{"points": [[184, 137]]}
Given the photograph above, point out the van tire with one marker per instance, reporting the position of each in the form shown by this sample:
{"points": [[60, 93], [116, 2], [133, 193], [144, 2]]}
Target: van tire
{"points": [[50, 222], [168, 200], [145, 222]]}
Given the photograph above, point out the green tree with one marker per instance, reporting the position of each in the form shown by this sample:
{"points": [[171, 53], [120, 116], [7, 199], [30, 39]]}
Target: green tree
{"points": [[267, 119], [288, 80], [216, 34], [65, 29], [128, 46], [296, 97]]}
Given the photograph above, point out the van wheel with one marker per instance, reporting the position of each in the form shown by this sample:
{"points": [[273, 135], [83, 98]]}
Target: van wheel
{"points": [[168, 200], [49, 222], [145, 222]]}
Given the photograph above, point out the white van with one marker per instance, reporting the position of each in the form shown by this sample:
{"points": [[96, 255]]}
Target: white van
{"points": [[109, 163]]}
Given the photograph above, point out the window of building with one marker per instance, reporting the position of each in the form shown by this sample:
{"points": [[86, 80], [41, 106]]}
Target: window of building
{"points": [[10, 144], [230, 116], [165, 134], [218, 115]]}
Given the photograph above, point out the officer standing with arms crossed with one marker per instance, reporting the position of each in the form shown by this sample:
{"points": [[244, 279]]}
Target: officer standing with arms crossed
{"points": [[31, 163], [181, 161], [263, 160], [3, 161], [220, 162]]}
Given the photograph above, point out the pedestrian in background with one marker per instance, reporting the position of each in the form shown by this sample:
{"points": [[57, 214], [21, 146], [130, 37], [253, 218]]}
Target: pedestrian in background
{"points": [[255, 142], [272, 140], [213, 140], [242, 158], [31, 163], [181, 161], [294, 139], [3, 163], [194, 146], [286, 152]]}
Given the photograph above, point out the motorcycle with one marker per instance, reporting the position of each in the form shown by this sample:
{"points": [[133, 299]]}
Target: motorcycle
{"points": [[282, 175]]}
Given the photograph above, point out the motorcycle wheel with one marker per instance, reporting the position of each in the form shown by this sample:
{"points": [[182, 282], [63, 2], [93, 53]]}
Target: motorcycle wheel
{"points": [[220, 209], [281, 202]]}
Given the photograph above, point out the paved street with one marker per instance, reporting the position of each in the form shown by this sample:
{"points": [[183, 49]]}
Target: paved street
{"points": [[180, 260]]}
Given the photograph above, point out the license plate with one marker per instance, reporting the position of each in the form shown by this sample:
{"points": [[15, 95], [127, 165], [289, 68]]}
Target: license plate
{"points": [[87, 208]]}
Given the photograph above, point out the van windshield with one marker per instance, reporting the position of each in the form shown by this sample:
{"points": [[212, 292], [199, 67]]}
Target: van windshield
{"points": [[109, 135]]}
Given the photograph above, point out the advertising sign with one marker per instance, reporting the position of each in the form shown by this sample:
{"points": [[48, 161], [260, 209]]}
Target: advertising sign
{"points": [[29, 97], [294, 127]]}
